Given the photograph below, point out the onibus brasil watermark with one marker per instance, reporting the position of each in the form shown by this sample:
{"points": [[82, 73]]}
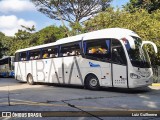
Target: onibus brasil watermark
{"points": [[21, 114]]}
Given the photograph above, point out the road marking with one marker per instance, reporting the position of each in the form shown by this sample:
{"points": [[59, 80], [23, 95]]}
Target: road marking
{"points": [[31, 103], [18, 87], [7, 118]]}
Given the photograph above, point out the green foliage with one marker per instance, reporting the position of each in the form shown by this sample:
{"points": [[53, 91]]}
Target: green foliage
{"points": [[16, 45], [144, 24], [28, 28], [11, 44], [24, 39], [47, 35], [76, 28], [3, 44], [2, 34], [149, 5], [1, 48], [22, 35], [7, 44]]}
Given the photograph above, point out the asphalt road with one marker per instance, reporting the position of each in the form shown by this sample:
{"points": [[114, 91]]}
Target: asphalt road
{"points": [[21, 97]]}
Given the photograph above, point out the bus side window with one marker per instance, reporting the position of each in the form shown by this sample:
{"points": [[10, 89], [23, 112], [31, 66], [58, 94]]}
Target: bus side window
{"points": [[49, 52], [34, 54], [72, 49], [23, 56], [118, 55], [54, 53], [98, 50], [17, 57]]}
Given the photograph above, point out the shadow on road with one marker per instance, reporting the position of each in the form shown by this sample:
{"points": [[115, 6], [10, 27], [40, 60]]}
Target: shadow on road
{"points": [[108, 89]]}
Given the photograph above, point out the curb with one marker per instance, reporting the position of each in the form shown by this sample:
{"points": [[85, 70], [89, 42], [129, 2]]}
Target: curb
{"points": [[155, 84]]}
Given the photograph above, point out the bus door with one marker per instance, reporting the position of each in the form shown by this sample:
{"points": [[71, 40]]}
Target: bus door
{"points": [[119, 65], [105, 54], [99, 51]]}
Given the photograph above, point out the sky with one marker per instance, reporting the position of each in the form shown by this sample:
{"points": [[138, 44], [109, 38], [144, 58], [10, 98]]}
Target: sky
{"points": [[14, 13]]}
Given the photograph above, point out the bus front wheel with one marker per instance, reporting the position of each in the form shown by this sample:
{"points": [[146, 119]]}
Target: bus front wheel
{"points": [[92, 82], [30, 79]]}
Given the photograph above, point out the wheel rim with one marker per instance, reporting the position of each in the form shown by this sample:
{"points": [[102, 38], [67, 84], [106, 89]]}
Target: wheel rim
{"points": [[93, 82]]}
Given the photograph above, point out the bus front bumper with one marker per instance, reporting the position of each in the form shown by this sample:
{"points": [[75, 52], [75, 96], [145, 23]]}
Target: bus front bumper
{"points": [[141, 83]]}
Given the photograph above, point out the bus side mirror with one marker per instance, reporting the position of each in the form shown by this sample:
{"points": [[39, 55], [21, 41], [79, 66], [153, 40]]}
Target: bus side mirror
{"points": [[153, 44]]}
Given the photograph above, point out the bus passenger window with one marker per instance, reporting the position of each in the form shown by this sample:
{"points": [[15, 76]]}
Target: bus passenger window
{"points": [[23, 56], [34, 54], [49, 52], [98, 50], [17, 57], [72, 49], [53, 52]]}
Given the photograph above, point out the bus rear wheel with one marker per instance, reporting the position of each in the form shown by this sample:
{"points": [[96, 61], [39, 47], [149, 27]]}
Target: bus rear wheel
{"points": [[30, 79], [92, 82]]}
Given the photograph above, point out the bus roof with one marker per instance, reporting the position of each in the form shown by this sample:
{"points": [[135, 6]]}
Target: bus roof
{"points": [[116, 33]]}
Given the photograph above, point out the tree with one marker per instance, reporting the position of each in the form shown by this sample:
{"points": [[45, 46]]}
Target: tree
{"points": [[24, 39], [1, 48], [144, 24], [71, 10], [5, 44], [22, 35], [28, 28], [2, 34], [47, 35], [149, 5]]}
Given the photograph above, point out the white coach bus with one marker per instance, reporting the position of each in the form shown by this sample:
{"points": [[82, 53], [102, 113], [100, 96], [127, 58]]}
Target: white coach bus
{"points": [[113, 57]]}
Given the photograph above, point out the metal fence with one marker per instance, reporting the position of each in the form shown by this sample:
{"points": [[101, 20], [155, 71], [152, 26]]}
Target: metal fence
{"points": [[156, 74]]}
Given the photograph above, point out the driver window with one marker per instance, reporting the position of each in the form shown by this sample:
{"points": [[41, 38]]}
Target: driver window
{"points": [[118, 55]]}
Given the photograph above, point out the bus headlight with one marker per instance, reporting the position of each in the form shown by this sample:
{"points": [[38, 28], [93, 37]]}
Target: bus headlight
{"points": [[134, 76]]}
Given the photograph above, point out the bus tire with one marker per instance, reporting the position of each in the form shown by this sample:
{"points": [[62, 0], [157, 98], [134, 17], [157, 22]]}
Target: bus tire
{"points": [[30, 80], [92, 82]]}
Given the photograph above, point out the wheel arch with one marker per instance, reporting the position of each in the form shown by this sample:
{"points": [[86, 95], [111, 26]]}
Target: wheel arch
{"points": [[28, 75], [31, 80]]}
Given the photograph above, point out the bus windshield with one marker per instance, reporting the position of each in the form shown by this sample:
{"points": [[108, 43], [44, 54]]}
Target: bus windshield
{"points": [[138, 56]]}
